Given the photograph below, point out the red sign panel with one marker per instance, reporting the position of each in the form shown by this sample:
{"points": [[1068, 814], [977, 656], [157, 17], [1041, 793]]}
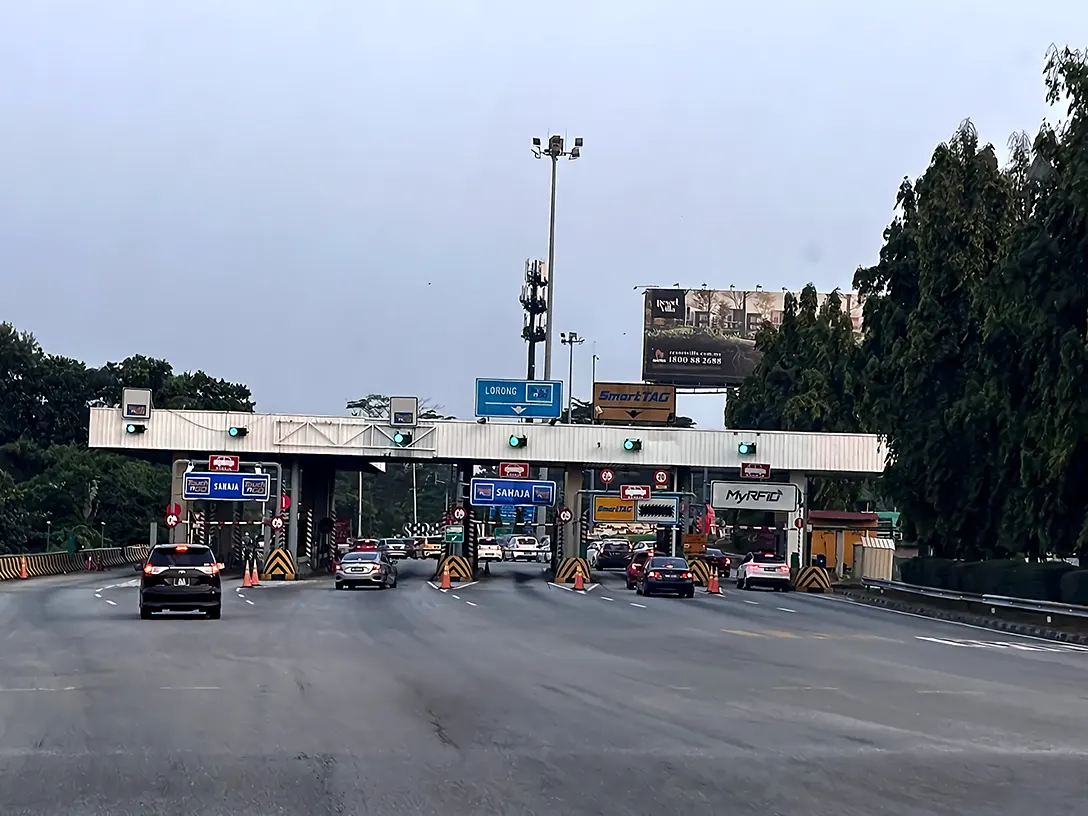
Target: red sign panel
{"points": [[661, 478], [513, 470], [633, 492], [285, 502], [223, 464], [754, 470], [607, 475], [173, 510]]}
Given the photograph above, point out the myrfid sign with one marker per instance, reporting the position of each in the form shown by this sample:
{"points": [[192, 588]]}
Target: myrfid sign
{"points": [[784, 498]]}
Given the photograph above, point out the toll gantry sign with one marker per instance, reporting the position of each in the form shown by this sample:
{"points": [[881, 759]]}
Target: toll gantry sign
{"points": [[226, 487], [498, 492], [513, 399]]}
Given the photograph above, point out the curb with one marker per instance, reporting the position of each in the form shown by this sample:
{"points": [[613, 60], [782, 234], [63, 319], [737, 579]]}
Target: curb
{"points": [[1012, 627]]}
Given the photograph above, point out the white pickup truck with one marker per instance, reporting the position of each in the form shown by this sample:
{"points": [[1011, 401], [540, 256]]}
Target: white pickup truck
{"points": [[488, 551]]}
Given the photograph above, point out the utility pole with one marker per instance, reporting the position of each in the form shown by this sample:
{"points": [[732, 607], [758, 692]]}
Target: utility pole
{"points": [[570, 339], [415, 503], [359, 517], [554, 151]]}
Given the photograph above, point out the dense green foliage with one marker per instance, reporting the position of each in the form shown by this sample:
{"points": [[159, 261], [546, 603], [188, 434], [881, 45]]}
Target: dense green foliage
{"points": [[975, 345], [53, 490]]}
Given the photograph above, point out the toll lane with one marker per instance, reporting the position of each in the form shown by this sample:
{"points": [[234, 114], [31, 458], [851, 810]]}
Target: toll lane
{"points": [[536, 699]]}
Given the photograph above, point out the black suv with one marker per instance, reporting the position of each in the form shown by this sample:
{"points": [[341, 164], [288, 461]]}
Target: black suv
{"points": [[181, 578]]}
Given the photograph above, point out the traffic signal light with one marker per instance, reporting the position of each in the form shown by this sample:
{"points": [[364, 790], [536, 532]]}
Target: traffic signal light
{"points": [[236, 432], [518, 441], [632, 445], [402, 438], [746, 448], [134, 428]]}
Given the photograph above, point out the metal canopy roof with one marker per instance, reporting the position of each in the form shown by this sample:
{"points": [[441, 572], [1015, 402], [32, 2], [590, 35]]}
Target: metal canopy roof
{"points": [[287, 435]]}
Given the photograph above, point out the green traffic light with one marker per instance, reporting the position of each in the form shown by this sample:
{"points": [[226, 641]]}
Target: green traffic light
{"points": [[402, 438], [746, 448], [517, 441], [632, 445]]}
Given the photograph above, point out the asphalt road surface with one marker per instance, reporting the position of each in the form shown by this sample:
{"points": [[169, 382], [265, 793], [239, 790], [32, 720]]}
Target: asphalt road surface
{"points": [[511, 696]]}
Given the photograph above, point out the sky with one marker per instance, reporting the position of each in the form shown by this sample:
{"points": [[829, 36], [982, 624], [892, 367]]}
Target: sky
{"points": [[329, 198]]}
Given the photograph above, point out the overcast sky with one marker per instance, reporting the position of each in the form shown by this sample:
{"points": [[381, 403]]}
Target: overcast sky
{"points": [[327, 198]]}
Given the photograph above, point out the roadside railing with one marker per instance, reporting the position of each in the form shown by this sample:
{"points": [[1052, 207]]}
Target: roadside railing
{"points": [[36, 565], [994, 601]]}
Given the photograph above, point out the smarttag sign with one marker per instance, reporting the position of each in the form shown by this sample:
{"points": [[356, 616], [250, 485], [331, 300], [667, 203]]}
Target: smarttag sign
{"points": [[226, 487], [746, 496], [497, 492]]}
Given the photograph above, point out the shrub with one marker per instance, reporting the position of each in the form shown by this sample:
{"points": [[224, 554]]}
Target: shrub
{"points": [[1074, 586]]}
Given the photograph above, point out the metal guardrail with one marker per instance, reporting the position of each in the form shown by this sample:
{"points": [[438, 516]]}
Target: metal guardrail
{"points": [[1003, 601]]}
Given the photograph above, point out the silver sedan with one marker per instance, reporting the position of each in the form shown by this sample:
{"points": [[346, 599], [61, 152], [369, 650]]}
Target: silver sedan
{"points": [[365, 568]]}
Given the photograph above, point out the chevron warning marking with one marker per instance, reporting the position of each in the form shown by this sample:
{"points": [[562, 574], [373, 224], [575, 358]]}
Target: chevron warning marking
{"points": [[279, 566]]}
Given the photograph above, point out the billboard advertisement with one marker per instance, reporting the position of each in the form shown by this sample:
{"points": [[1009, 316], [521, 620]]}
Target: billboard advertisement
{"points": [[705, 338]]}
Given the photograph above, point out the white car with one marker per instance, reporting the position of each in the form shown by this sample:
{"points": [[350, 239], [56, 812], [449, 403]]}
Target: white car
{"points": [[766, 569], [488, 550], [522, 548]]}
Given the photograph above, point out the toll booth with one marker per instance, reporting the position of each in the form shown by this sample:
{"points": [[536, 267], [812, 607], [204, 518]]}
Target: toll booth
{"points": [[834, 533]]}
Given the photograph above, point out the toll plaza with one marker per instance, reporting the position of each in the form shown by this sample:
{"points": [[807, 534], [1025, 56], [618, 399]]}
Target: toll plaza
{"points": [[573, 475]]}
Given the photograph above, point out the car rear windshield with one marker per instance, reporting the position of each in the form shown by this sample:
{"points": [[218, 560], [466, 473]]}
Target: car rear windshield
{"points": [[623, 546], [191, 557], [669, 563], [361, 556], [766, 558], [524, 542]]}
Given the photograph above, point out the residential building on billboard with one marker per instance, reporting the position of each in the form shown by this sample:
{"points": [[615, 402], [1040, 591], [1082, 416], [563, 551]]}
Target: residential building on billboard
{"points": [[705, 338]]}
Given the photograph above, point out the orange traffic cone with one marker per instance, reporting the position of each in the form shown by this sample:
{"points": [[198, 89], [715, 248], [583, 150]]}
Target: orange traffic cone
{"points": [[246, 583], [22, 568], [254, 578], [579, 581], [712, 583], [446, 575]]}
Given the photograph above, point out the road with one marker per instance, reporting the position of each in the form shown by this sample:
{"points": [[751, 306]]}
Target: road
{"points": [[514, 696]]}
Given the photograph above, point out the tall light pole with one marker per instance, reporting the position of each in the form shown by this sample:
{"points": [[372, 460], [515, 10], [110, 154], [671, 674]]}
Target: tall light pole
{"points": [[555, 150], [570, 339], [593, 385]]}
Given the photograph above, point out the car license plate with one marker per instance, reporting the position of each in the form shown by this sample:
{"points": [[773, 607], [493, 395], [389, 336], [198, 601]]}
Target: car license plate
{"points": [[770, 569], [181, 582]]}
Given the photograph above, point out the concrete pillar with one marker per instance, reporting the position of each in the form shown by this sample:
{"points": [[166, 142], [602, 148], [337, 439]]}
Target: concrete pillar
{"points": [[795, 535], [292, 511], [572, 485], [840, 552], [312, 490], [177, 479]]}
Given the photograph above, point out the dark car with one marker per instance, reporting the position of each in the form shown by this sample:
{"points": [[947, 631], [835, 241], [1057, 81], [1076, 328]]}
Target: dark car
{"points": [[663, 574], [614, 554], [181, 578], [634, 569], [366, 569], [719, 560]]}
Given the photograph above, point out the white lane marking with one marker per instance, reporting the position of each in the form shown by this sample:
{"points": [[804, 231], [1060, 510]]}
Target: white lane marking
{"points": [[1053, 647], [433, 585], [248, 601], [804, 688], [783, 609], [592, 587], [603, 598], [20, 690], [470, 603], [240, 595], [458, 597], [98, 595], [560, 586], [940, 691], [640, 606], [189, 688], [753, 603], [839, 599], [966, 644], [111, 603], [100, 589]]}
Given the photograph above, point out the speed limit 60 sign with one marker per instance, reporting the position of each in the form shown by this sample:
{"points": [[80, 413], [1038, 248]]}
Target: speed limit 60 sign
{"points": [[565, 515], [459, 513]]}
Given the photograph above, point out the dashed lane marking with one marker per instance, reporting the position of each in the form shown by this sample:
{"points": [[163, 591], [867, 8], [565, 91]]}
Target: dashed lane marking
{"points": [[640, 606], [248, 601], [941, 691], [783, 609], [111, 603], [1000, 645], [804, 688], [458, 597], [470, 603], [189, 688], [753, 603], [782, 634], [603, 598]]}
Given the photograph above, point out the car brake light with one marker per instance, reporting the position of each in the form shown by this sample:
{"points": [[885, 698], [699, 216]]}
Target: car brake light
{"points": [[655, 574], [686, 575], [784, 568], [181, 548], [211, 569], [150, 570]]}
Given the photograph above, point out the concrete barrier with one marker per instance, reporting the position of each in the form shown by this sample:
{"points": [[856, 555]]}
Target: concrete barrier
{"points": [[60, 563]]}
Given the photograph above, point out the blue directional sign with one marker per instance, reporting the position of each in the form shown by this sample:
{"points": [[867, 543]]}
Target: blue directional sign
{"points": [[538, 399], [497, 492], [227, 487]]}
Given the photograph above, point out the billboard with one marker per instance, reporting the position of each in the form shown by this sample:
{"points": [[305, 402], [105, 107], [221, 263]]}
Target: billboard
{"points": [[633, 402], [706, 337]]}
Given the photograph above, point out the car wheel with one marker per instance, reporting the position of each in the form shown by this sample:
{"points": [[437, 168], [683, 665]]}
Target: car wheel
{"points": [[145, 613], [395, 582], [215, 613], [630, 585], [638, 589], [339, 585], [740, 583], [690, 593]]}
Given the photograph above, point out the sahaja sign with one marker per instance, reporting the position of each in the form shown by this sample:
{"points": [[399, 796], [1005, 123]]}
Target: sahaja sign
{"points": [[784, 498]]}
